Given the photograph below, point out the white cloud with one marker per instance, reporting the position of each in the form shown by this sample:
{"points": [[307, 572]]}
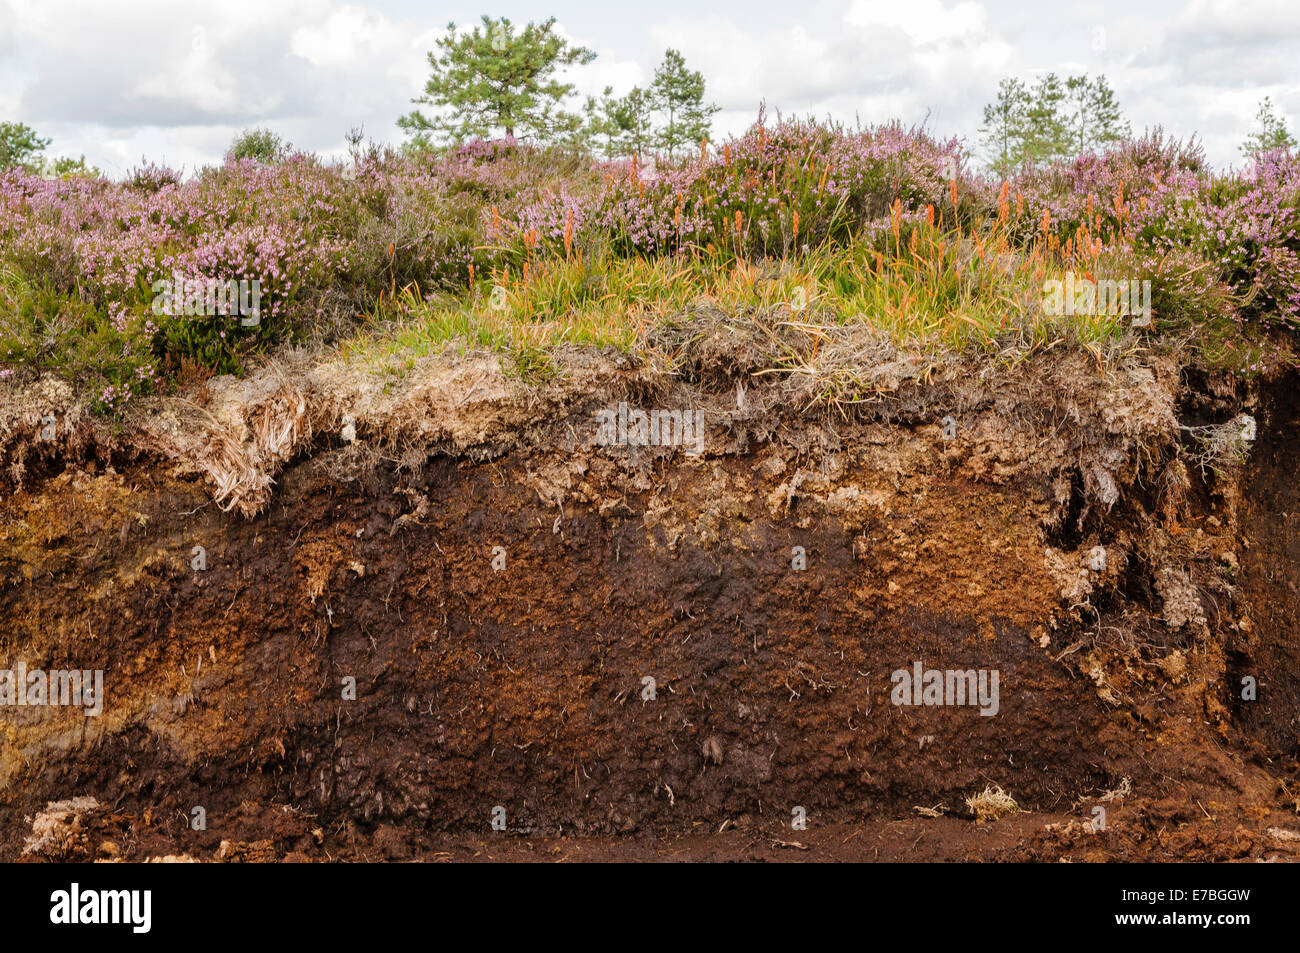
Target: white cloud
{"points": [[922, 22], [179, 79], [347, 36], [1238, 21], [870, 60]]}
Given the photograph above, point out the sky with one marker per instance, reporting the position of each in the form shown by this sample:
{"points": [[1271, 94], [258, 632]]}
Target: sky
{"points": [[173, 82]]}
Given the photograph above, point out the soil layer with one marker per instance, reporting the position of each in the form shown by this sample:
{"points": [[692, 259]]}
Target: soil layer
{"points": [[561, 650]]}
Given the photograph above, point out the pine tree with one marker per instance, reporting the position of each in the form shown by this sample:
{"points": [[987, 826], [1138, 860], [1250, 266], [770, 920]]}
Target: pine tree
{"points": [[1095, 120], [1004, 126], [1272, 133], [600, 128], [678, 94], [496, 79], [20, 147], [634, 116], [1047, 137]]}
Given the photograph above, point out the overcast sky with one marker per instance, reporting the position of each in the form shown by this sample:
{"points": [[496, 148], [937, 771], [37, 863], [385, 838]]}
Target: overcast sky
{"points": [[174, 81]]}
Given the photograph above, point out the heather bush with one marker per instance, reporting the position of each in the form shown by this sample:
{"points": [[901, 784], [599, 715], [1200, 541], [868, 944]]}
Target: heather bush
{"points": [[768, 193], [108, 355], [872, 213], [153, 178], [1252, 234]]}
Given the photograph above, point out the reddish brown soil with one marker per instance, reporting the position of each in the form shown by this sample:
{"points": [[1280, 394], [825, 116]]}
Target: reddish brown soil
{"points": [[521, 688]]}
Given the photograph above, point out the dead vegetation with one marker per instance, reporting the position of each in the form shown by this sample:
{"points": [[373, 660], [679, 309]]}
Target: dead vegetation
{"points": [[750, 374], [1221, 446], [991, 803]]}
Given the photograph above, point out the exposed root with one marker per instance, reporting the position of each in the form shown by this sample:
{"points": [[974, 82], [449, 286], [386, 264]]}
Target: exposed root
{"points": [[991, 804]]}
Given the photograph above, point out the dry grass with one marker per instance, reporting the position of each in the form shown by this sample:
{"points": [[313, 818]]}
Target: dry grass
{"points": [[843, 323], [939, 810], [239, 442], [242, 465], [991, 804]]}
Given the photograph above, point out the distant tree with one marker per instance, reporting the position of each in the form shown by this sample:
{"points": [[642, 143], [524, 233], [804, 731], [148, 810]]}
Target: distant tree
{"points": [[496, 79], [678, 93], [1053, 120], [20, 147], [601, 129], [1047, 137], [561, 125], [1005, 122], [261, 145], [619, 125], [634, 114], [66, 167], [1272, 133], [1094, 119]]}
